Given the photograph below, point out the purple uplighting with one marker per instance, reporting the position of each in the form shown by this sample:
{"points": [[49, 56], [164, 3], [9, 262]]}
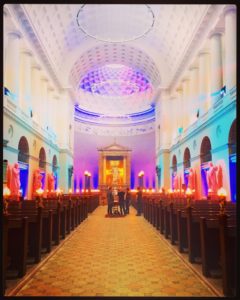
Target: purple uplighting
{"points": [[115, 80]]}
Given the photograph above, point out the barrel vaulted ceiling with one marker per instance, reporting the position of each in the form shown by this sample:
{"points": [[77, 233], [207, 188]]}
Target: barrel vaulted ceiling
{"points": [[113, 58]]}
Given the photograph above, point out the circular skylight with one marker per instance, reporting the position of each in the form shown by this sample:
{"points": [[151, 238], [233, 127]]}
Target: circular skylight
{"points": [[115, 80], [115, 23]]}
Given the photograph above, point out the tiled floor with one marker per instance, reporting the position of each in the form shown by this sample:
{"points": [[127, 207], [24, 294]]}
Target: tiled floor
{"points": [[114, 257]]}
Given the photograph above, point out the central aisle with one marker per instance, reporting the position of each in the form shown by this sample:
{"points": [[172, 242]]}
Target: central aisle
{"points": [[115, 257]]}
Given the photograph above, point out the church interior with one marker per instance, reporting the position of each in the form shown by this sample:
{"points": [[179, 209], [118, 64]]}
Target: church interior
{"points": [[119, 150]]}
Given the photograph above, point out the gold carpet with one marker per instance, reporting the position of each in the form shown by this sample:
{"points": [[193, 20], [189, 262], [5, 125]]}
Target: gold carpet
{"points": [[114, 257]]}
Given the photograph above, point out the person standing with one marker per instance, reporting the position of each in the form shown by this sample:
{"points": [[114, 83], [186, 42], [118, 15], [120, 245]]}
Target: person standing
{"points": [[139, 201], [110, 200], [121, 201], [127, 200]]}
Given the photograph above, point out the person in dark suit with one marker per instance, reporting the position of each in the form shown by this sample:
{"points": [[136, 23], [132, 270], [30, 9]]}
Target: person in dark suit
{"points": [[139, 201], [127, 200], [121, 201], [110, 200]]}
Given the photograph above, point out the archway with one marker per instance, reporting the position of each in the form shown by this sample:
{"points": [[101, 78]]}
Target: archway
{"points": [[205, 158], [186, 165], [54, 170], [23, 162], [42, 165], [232, 159]]}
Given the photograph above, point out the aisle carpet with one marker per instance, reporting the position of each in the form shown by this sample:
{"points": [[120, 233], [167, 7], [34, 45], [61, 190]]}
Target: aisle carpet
{"points": [[115, 257]]}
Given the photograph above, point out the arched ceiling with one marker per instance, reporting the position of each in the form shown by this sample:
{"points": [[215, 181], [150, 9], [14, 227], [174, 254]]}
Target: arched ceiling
{"points": [[79, 41]]}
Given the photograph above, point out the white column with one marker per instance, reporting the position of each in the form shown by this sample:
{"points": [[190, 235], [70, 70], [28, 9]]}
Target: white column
{"points": [[203, 81], [216, 65], [36, 92], [25, 82], [193, 105], [55, 114], [180, 110], [12, 64], [230, 46], [173, 111], [50, 104], [44, 107], [185, 84], [165, 121], [51, 92]]}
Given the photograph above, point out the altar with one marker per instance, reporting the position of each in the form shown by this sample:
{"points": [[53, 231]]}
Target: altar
{"points": [[114, 169]]}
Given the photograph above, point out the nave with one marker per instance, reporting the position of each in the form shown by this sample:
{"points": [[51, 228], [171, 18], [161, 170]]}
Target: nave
{"points": [[114, 257]]}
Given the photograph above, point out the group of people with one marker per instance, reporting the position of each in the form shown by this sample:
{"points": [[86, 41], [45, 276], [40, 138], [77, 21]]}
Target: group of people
{"points": [[124, 200]]}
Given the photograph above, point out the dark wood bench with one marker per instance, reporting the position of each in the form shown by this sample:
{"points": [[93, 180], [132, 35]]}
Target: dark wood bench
{"points": [[15, 247], [228, 250], [34, 229]]}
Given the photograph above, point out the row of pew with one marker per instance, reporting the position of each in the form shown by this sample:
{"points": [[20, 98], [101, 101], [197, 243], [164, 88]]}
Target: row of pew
{"points": [[33, 227], [199, 229]]}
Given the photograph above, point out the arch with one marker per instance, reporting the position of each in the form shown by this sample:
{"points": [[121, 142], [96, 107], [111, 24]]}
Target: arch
{"points": [[23, 150], [187, 158], [42, 158], [232, 138], [174, 163], [205, 151]]}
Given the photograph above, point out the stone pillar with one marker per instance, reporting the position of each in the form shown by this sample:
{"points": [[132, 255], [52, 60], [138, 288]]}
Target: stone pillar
{"points": [[50, 107], [203, 81], [180, 110], [55, 114], [230, 46], [36, 92], [185, 84], [165, 121], [193, 105], [173, 111], [25, 82], [12, 65], [44, 107], [216, 65]]}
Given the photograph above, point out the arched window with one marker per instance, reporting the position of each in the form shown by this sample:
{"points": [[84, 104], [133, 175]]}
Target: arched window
{"points": [[232, 138], [42, 158], [205, 151], [23, 150], [174, 163], [187, 158]]}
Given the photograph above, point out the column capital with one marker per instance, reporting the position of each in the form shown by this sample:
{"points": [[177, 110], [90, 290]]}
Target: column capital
{"points": [[230, 9], [36, 66], [44, 79], [15, 34], [50, 88], [216, 32], [193, 67], [185, 79], [26, 52], [203, 52], [179, 89]]}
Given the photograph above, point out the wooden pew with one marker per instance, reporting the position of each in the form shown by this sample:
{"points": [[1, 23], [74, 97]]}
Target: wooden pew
{"points": [[16, 239], [34, 215], [47, 223], [228, 250], [55, 206]]}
